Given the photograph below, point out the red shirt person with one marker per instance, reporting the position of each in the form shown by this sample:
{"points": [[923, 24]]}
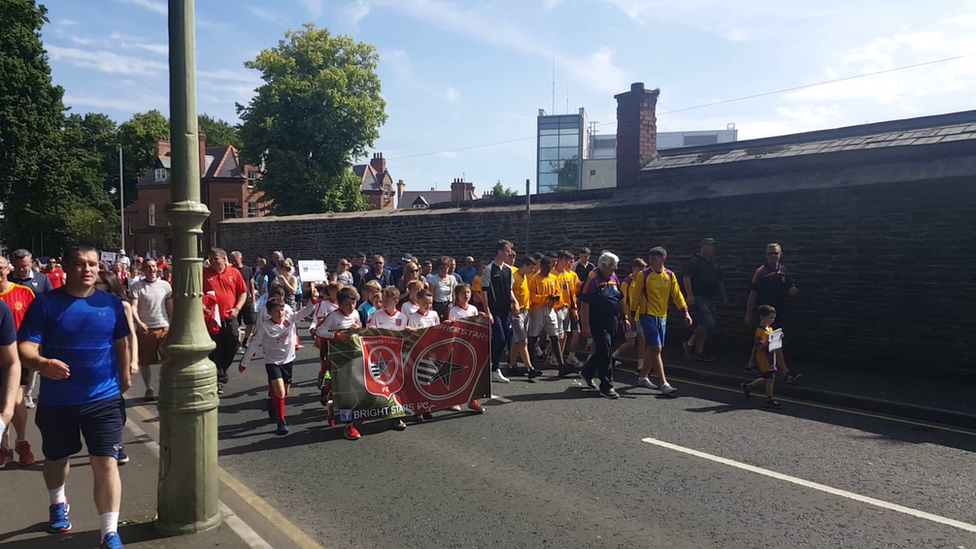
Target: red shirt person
{"points": [[54, 273], [230, 292]]}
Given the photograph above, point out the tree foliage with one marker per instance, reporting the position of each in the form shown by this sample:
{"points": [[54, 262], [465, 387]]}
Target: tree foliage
{"points": [[501, 191], [219, 133], [319, 108]]}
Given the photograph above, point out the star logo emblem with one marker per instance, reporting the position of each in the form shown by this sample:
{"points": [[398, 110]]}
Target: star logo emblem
{"points": [[445, 369]]}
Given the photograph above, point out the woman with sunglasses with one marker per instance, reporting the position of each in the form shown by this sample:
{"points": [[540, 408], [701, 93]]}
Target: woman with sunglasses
{"points": [[442, 284], [343, 274], [411, 272]]}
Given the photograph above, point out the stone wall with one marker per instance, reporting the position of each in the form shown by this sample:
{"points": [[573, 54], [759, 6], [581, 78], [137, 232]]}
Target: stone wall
{"points": [[884, 271]]}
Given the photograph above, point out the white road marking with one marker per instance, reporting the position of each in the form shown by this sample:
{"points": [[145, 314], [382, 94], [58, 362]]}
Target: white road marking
{"points": [[823, 488], [245, 532]]}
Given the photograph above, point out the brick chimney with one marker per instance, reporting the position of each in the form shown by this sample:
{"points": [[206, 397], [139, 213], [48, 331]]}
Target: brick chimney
{"points": [[636, 132], [469, 191], [401, 186], [378, 163], [457, 190], [203, 153], [163, 147]]}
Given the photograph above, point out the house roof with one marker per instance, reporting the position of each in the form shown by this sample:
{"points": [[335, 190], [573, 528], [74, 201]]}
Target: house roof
{"points": [[423, 199], [221, 163], [371, 178], [928, 130]]}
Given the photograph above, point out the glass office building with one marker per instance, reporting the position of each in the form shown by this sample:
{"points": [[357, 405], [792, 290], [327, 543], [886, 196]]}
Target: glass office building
{"points": [[561, 144]]}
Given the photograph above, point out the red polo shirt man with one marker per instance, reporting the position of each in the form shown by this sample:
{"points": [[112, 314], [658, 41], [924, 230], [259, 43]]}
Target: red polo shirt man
{"points": [[54, 274], [230, 291]]}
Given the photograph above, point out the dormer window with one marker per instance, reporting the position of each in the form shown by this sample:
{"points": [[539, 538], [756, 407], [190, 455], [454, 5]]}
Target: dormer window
{"points": [[160, 174]]}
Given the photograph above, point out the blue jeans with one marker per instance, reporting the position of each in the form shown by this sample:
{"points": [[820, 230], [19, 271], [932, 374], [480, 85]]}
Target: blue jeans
{"points": [[501, 337]]}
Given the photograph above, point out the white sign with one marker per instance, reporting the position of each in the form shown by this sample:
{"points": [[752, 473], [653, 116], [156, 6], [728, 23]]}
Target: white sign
{"points": [[108, 256], [776, 340], [311, 271]]}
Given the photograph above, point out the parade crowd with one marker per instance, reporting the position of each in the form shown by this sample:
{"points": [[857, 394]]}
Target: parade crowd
{"points": [[82, 328]]}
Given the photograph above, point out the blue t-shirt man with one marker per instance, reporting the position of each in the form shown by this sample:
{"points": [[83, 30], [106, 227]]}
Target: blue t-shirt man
{"points": [[80, 332]]}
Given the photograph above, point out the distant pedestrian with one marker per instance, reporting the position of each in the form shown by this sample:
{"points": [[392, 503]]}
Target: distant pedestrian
{"points": [[343, 274], [54, 273], [152, 303], [380, 273], [582, 267], [18, 298], [653, 288], [82, 333], [247, 315], [703, 285], [22, 272], [469, 271], [603, 313], [442, 287], [230, 292], [634, 336], [771, 285]]}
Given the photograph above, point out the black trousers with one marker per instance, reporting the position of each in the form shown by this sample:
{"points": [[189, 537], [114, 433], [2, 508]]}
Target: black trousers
{"points": [[600, 364], [227, 344]]}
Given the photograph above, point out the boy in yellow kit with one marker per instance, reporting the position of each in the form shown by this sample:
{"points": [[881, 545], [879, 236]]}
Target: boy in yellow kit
{"points": [[543, 296], [567, 311], [650, 292]]}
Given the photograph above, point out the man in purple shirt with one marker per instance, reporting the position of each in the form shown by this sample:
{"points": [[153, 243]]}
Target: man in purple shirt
{"points": [[601, 314]]}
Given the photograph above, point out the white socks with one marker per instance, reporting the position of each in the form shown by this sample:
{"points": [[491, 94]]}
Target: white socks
{"points": [[57, 495], [640, 363], [110, 523]]}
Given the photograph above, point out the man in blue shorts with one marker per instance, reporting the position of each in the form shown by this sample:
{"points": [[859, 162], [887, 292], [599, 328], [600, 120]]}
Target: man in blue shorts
{"points": [[84, 369]]}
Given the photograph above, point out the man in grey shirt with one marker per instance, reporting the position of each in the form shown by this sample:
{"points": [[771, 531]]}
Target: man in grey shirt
{"points": [[152, 307]]}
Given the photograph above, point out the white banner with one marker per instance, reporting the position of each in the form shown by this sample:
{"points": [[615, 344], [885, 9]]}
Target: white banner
{"points": [[311, 271]]}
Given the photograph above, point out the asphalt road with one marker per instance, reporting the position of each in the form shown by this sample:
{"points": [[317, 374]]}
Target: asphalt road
{"points": [[552, 465]]}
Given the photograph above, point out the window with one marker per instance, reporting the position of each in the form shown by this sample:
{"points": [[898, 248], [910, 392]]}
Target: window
{"points": [[692, 140], [152, 247], [386, 194], [548, 154], [231, 210], [252, 177], [548, 141], [592, 173], [571, 140], [152, 215], [160, 174], [132, 229], [252, 209]]}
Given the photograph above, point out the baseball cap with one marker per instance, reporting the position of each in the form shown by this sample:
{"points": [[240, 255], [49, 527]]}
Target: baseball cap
{"points": [[408, 258], [708, 241]]}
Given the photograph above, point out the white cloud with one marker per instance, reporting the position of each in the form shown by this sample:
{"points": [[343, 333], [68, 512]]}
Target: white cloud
{"points": [[138, 104], [65, 22], [271, 16], [134, 42], [82, 41], [403, 69], [151, 5], [106, 61], [357, 11], [597, 69], [452, 94], [315, 7]]}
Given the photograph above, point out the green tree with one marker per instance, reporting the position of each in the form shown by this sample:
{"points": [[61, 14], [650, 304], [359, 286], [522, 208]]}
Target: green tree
{"points": [[32, 183], [88, 224], [219, 133], [319, 108], [90, 161], [138, 136], [501, 191], [569, 179]]}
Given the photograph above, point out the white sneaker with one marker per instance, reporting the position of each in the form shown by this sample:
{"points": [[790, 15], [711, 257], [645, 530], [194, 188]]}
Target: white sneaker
{"points": [[646, 383], [574, 360], [28, 400], [498, 377], [668, 390], [455, 408]]}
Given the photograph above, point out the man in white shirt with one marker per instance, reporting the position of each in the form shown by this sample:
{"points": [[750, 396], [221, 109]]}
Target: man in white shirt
{"points": [[152, 308]]}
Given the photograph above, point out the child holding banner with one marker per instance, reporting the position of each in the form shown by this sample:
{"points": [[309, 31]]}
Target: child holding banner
{"points": [[409, 305], [343, 319], [389, 318], [276, 335], [463, 309], [326, 305]]}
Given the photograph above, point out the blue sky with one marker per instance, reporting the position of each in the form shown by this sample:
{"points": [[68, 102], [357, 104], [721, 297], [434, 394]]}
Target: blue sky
{"points": [[457, 74]]}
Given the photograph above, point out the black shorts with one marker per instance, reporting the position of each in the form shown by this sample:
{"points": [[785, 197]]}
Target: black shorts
{"points": [[101, 423], [279, 371], [246, 316]]}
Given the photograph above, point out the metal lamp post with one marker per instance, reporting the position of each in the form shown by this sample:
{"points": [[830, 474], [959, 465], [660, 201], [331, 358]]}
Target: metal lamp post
{"points": [[121, 198], [187, 496]]}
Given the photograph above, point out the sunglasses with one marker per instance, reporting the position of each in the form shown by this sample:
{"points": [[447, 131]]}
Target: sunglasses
{"points": [[772, 254]]}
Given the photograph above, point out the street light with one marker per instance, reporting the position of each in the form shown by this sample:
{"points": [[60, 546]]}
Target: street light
{"points": [[186, 500], [121, 197]]}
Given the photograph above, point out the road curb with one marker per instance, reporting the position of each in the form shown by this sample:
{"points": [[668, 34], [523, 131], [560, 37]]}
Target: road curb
{"points": [[889, 407]]}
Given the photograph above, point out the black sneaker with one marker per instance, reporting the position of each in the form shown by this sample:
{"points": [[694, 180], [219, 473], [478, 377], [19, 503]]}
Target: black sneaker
{"points": [[704, 358], [752, 371], [772, 403], [610, 393], [791, 377], [588, 381], [689, 352], [746, 390], [122, 457], [567, 371], [282, 429]]}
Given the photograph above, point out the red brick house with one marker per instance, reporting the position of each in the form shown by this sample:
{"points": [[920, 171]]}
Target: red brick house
{"points": [[226, 187], [377, 183]]}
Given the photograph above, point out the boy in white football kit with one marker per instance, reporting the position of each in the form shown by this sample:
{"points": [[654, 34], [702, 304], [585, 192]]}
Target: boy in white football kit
{"points": [[391, 319], [277, 336], [425, 317], [344, 318]]}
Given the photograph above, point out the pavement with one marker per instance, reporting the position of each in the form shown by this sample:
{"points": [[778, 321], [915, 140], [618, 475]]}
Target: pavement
{"points": [[552, 465]]}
